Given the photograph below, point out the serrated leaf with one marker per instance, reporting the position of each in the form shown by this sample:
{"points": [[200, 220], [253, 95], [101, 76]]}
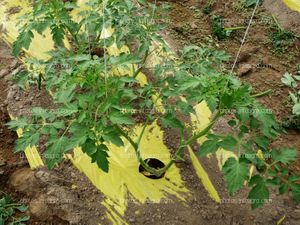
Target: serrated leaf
{"points": [[209, 146], [228, 143], [262, 142], [23, 41], [58, 34], [243, 114], [26, 140], [124, 59], [259, 193], [114, 138], [54, 152], [236, 172], [171, 121], [89, 147], [119, 118], [101, 158], [285, 155], [18, 123]]}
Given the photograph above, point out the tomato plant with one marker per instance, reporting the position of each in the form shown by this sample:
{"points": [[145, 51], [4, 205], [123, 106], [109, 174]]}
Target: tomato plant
{"points": [[93, 105]]}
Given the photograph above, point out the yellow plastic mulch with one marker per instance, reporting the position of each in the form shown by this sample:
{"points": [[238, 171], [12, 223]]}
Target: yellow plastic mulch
{"points": [[293, 4]]}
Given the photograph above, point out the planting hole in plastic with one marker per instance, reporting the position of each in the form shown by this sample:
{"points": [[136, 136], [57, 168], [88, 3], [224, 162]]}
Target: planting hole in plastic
{"points": [[154, 163]]}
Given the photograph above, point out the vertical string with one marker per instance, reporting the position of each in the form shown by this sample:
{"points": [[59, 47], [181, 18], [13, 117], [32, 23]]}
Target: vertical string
{"points": [[244, 38]]}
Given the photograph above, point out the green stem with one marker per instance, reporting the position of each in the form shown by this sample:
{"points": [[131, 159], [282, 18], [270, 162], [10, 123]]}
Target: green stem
{"points": [[178, 153], [136, 73], [277, 24], [262, 93], [234, 28]]}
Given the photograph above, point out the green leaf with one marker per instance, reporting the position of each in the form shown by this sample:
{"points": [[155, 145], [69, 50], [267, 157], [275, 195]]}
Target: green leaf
{"points": [[209, 146], [250, 3], [289, 80], [284, 155], [236, 172], [228, 143], [21, 219], [58, 34], [296, 191], [283, 188], [125, 59], [23, 41], [296, 109], [232, 123], [293, 178], [101, 157], [293, 97], [227, 101], [191, 82], [54, 152], [243, 114], [89, 147], [114, 138], [21, 208], [259, 194], [171, 121], [18, 123], [27, 140], [79, 58], [262, 142], [119, 118]]}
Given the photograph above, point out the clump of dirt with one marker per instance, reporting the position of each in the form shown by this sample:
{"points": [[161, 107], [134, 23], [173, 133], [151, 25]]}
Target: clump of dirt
{"points": [[52, 197]]}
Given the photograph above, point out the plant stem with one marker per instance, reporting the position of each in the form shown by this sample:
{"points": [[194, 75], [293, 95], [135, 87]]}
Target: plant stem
{"points": [[136, 73], [277, 24], [262, 93], [234, 28], [178, 153]]}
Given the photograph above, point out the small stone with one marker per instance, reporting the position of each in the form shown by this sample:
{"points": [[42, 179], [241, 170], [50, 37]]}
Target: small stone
{"points": [[24, 181], [296, 214], [131, 220], [244, 69], [4, 72]]}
